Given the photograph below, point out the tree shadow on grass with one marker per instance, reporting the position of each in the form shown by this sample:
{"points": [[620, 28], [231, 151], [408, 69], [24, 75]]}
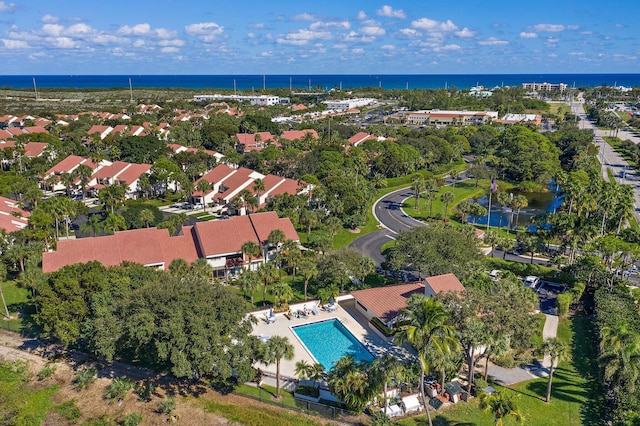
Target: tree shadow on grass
{"points": [[441, 421]]}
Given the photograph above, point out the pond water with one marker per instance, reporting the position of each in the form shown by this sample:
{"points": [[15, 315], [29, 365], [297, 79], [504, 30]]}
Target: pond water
{"points": [[539, 203]]}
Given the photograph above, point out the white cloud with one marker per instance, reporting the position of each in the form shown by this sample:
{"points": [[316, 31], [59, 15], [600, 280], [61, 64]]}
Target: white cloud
{"points": [[169, 50], [388, 47], [340, 25], [15, 44], [169, 43], [79, 30], [205, 31], [528, 35], [409, 32], [49, 19], [164, 33], [361, 15], [358, 38], [7, 7], [63, 42], [576, 53], [447, 48], [304, 17], [340, 46], [573, 27], [492, 41], [139, 29], [552, 55], [373, 31], [586, 33], [258, 25], [53, 30], [465, 33], [390, 12], [357, 51], [552, 40], [433, 25], [303, 37], [551, 28], [266, 54], [251, 35]]}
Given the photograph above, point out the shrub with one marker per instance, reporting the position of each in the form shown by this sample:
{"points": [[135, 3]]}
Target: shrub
{"points": [[118, 388], [46, 372], [132, 419], [577, 290], [381, 419], [563, 301], [145, 391], [381, 327], [69, 410], [167, 406], [84, 378], [307, 390]]}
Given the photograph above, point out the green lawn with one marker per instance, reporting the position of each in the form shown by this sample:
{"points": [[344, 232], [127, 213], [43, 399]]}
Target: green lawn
{"points": [[17, 301], [576, 399]]}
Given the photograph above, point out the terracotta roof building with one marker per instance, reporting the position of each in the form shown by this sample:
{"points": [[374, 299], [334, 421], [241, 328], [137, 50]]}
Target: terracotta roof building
{"points": [[219, 242], [386, 303], [12, 217]]}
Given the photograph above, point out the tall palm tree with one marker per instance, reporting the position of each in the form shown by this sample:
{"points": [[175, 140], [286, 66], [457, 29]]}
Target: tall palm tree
{"points": [[519, 202], [259, 187], [308, 269], [387, 369], [249, 282], [274, 349], [430, 185], [620, 359], [268, 273], [502, 404], [250, 249], [503, 199], [203, 186], [423, 324], [446, 198], [556, 350], [146, 216], [282, 292], [417, 185]]}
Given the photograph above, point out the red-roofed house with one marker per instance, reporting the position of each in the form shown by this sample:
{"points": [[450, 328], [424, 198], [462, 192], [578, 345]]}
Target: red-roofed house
{"points": [[12, 217], [120, 172], [360, 137], [148, 246], [293, 135], [442, 284], [219, 242], [255, 141], [103, 131], [386, 303]]}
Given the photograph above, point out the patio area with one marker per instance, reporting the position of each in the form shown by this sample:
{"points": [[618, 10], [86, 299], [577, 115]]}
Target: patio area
{"points": [[346, 313]]}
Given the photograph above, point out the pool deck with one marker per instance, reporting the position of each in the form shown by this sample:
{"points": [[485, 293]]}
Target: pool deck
{"points": [[346, 314]]}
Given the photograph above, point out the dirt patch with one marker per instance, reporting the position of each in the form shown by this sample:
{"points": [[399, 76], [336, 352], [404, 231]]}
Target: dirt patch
{"points": [[190, 398], [354, 230]]}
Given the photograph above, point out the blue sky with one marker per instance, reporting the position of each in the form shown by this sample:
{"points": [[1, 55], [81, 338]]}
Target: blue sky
{"points": [[318, 37]]}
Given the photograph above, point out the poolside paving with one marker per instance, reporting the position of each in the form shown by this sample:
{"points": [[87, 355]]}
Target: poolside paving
{"points": [[346, 314]]}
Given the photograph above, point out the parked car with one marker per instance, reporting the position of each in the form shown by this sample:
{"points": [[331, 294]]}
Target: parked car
{"points": [[532, 281], [196, 206], [185, 206]]}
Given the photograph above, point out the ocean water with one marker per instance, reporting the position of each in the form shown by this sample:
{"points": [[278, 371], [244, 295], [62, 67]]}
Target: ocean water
{"points": [[315, 82]]}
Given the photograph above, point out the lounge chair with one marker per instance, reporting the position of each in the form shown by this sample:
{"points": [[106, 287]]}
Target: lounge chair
{"points": [[269, 318], [332, 307], [302, 314], [314, 309]]}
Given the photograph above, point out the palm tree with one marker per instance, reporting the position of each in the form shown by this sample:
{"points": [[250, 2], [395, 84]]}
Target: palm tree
{"points": [[203, 186], [92, 225], [250, 249], [303, 370], [268, 273], [276, 348], [502, 404], [387, 368], [423, 324], [518, 202], [282, 292], [503, 199], [430, 185], [350, 381], [249, 282], [446, 198], [556, 350], [146, 216], [308, 269], [620, 359], [114, 222], [417, 185], [259, 187]]}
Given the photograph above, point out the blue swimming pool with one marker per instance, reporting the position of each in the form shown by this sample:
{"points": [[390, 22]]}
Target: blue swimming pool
{"points": [[328, 341]]}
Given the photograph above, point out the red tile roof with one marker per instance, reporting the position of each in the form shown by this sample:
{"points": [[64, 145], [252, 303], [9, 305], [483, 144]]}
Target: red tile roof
{"points": [[9, 222], [387, 302], [445, 283], [264, 223], [148, 246], [221, 237], [298, 134]]}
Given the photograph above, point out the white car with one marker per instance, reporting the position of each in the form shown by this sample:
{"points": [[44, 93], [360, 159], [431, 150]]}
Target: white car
{"points": [[196, 206], [495, 274], [532, 281]]}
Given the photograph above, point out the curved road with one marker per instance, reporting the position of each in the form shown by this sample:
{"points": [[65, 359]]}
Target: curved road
{"points": [[393, 220]]}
